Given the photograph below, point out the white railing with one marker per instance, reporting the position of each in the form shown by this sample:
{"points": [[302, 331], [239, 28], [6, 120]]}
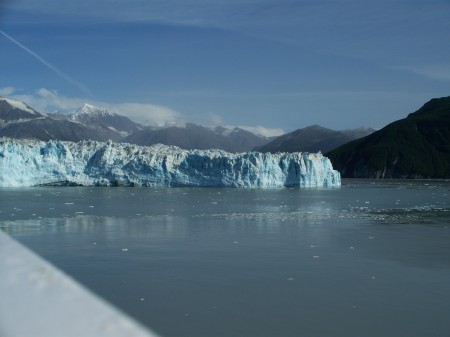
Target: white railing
{"points": [[38, 300]]}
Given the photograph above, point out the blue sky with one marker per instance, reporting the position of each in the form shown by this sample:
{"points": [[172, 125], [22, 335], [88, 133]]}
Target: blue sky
{"points": [[278, 64]]}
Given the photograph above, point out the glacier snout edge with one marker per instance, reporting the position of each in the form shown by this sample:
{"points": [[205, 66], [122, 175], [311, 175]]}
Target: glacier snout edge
{"points": [[90, 163]]}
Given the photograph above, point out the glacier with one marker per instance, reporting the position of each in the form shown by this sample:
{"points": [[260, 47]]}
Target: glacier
{"points": [[26, 163]]}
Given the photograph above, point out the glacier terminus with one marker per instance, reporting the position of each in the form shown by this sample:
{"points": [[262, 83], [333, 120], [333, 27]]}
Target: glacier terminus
{"points": [[92, 163]]}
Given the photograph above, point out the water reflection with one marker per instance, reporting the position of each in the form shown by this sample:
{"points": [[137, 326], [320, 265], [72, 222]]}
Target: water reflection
{"points": [[109, 227], [320, 225]]}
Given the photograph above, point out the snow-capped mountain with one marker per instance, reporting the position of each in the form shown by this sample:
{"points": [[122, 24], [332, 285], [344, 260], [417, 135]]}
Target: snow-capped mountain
{"points": [[47, 129], [14, 111], [90, 110], [19, 120], [90, 163], [100, 118]]}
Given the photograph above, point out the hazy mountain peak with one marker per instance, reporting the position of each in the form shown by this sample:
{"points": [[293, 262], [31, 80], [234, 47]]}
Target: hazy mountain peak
{"points": [[259, 131], [360, 132], [91, 110], [313, 138], [315, 127]]}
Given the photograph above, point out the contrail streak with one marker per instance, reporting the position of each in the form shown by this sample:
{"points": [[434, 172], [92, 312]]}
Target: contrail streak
{"points": [[49, 65]]}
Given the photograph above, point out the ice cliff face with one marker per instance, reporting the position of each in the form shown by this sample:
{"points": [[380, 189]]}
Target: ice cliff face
{"points": [[91, 163]]}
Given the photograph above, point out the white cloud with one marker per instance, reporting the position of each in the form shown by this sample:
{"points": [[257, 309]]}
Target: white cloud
{"points": [[190, 12], [45, 100], [6, 91], [432, 71], [211, 119], [261, 130], [435, 72], [146, 113]]}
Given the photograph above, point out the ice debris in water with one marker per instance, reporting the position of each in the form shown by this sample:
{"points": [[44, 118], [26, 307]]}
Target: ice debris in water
{"points": [[91, 163]]}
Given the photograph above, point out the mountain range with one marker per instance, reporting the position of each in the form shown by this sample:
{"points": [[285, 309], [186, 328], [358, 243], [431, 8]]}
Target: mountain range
{"points": [[417, 146], [313, 139], [192, 136], [18, 120]]}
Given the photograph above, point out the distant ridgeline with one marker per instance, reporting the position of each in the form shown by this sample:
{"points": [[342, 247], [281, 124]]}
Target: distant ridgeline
{"points": [[20, 121], [414, 147]]}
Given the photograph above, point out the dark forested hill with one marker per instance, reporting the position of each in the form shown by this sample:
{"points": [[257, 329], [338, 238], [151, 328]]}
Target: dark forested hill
{"points": [[414, 147]]}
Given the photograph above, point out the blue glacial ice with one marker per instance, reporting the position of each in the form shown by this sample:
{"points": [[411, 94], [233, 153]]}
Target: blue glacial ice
{"points": [[91, 163]]}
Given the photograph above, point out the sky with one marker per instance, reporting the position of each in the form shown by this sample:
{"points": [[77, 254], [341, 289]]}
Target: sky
{"points": [[276, 65]]}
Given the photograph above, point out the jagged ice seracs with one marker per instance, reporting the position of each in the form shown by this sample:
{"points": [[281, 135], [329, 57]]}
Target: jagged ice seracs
{"points": [[91, 163]]}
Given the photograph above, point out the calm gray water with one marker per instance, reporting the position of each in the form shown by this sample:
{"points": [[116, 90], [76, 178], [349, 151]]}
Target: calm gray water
{"points": [[367, 259]]}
